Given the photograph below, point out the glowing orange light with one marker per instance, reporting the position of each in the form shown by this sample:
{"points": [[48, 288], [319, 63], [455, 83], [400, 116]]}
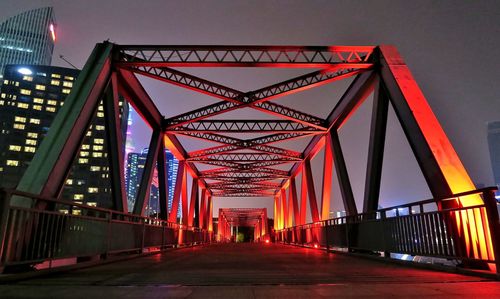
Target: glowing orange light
{"points": [[315, 245], [52, 32], [267, 241]]}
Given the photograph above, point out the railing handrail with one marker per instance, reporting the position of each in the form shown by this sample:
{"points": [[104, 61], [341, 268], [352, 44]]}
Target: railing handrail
{"points": [[9, 192], [408, 205]]}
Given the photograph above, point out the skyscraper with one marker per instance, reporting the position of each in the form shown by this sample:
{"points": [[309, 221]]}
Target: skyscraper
{"points": [[28, 38], [30, 97], [134, 171], [494, 145]]}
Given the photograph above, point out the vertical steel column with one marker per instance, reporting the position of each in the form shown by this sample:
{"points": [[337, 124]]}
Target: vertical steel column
{"points": [[172, 217], [142, 197], [343, 176], [115, 145], [294, 201], [303, 197], [376, 149], [284, 212], [210, 213], [196, 221], [47, 172], [276, 213], [290, 207], [162, 181], [185, 207], [192, 203], [327, 179], [220, 225], [313, 204], [203, 210], [265, 228]]}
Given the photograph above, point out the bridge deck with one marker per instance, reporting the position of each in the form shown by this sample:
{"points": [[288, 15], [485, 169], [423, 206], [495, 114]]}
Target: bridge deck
{"points": [[250, 271]]}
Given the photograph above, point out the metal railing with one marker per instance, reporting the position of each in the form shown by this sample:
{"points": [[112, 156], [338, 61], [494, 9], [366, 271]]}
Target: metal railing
{"points": [[55, 229], [467, 234]]}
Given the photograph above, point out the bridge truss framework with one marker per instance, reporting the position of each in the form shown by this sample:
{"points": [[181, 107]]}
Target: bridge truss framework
{"points": [[246, 167]]}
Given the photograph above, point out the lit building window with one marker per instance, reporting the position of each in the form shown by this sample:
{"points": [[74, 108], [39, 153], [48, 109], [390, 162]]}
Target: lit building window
{"points": [[15, 148], [100, 114], [55, 82], [20, 119], [30, 142], [29, 149], [97, 155], [78, 196], [84, 154], [69, 182], [38, 100], [22, 105], [92, 204], [93, 190], [2, 102], [56, 76], [3, 95], [99, 141], [40, 87], [25, 91], [50, 109], [12, 163], [85, 146], [32, 135], [97, 147], [67, 84], [35, 121], [27, 78], [83, 160], [100, 108], [66, 90], [89, 133], [6, 82], [37, 107], [52, 102], [95, 168], [69, 78], [18, 126], [99, 128]]}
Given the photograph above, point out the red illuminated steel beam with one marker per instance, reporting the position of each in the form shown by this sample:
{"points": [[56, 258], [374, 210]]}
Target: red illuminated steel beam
{"points": [[327, 180], [245, 56], [244, 157], [244, 126]]}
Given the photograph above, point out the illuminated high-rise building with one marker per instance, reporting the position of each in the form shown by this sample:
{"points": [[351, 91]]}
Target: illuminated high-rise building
{"points": [[28, 38], [494, 145], [30, 97], [134, 171]]}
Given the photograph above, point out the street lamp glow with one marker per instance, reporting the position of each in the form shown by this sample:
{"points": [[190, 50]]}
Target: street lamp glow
{"points": [[25, 71]]}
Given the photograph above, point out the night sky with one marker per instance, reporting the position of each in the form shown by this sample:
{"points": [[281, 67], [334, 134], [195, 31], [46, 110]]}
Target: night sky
{"points": [[450, 46]]}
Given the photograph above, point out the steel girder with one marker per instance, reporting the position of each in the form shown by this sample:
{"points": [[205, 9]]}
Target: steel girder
{"points": [[244, 126], [245, 56]]}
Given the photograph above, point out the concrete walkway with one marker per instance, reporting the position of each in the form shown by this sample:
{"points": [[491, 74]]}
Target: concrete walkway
{"points": [[251, 271]]}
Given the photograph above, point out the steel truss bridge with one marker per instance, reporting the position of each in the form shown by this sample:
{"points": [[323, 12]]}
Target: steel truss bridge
{"points": [[459, 222]]}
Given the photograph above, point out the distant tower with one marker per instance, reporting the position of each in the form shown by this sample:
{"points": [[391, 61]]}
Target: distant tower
{"points": [[494, 144], [134, 171], [28, 38]]}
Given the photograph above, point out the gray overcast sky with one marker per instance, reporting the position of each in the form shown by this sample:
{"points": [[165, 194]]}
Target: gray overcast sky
{"points": [[450, 46]]}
